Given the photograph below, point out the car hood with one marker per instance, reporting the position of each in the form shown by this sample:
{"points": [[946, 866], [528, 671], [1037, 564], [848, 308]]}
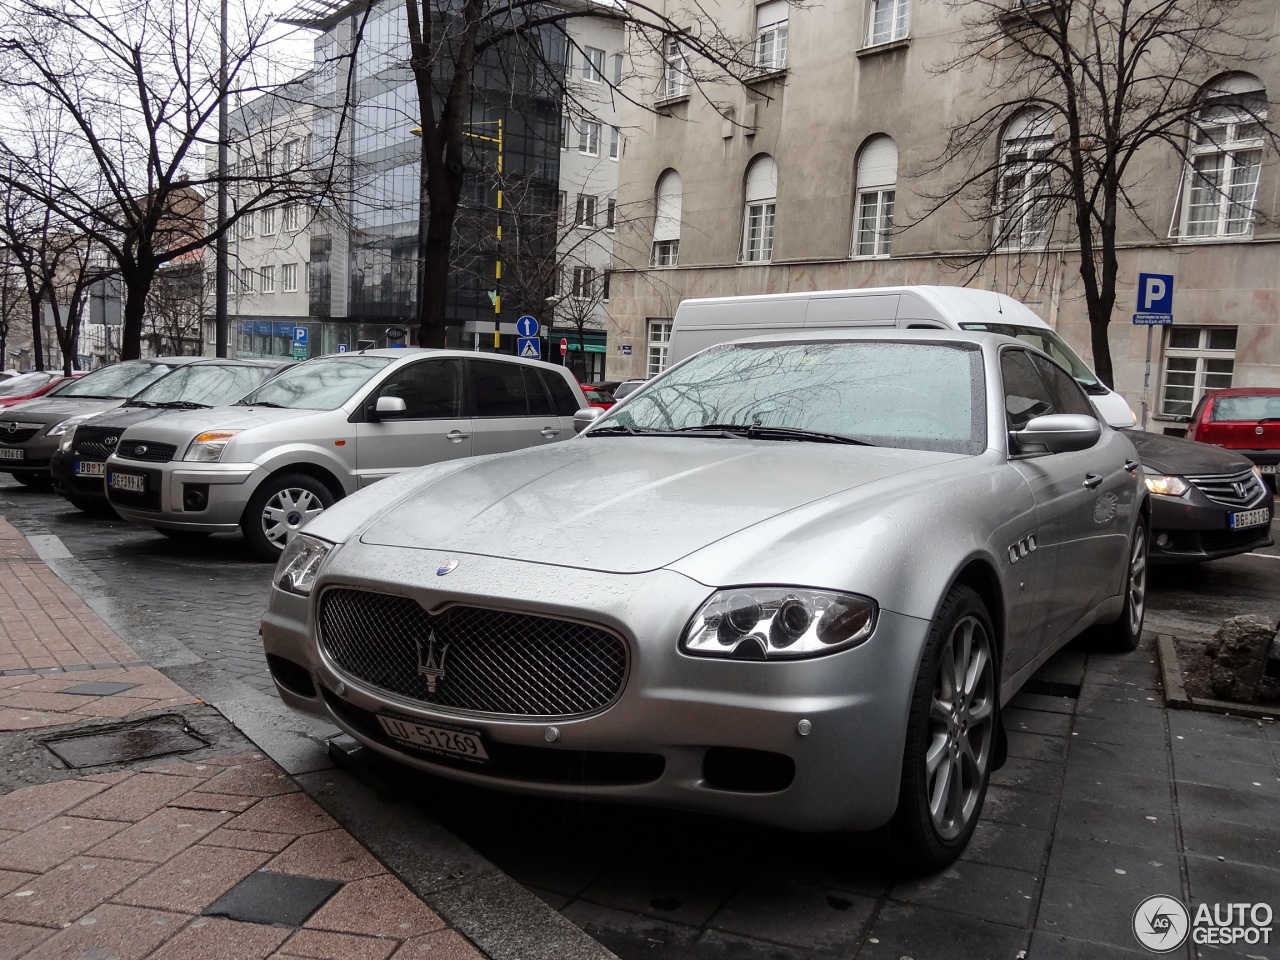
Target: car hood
{"points": [[627, 505], [181, 422], [1179, 457], [55, 409]]}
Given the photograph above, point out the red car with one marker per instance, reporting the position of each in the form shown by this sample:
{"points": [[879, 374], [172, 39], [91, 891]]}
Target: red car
{"points": [[1245, 419], [25, 386], [597, 397]]}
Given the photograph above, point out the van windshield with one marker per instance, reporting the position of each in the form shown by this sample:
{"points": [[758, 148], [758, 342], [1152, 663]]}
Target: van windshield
{"points": [[1042, 338]]}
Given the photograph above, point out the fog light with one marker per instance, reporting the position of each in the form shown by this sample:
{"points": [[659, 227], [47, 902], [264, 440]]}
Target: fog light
{"points": [[195, 496], [1162, 539]]}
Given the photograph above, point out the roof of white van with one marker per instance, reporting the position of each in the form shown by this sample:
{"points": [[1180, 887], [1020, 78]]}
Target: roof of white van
{"points": [[962, 304]]}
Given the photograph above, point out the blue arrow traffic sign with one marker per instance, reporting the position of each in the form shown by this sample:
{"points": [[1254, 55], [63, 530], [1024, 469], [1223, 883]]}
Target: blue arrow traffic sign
{"points": [[527, 326], [529, 347]]}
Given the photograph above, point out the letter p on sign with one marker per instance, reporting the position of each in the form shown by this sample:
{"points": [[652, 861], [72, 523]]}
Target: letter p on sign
{"points": [[1155, 293]]}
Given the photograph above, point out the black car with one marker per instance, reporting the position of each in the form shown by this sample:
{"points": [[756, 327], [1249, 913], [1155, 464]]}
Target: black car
{"points": [[1206, 502], [79, 464]]}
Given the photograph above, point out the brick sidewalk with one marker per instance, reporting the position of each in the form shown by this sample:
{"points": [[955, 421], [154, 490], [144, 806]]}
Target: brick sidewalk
{"points": [[219, 856]]}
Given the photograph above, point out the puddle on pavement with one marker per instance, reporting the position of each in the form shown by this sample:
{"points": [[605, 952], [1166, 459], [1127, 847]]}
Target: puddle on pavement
{"points": [[123, 743]]}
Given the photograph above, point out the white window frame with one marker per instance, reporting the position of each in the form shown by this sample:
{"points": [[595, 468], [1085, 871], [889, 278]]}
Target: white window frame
{"points": [[293, 217], [617, 69], [666, 253], [1203, 379], [887, 21], [246, 225], [267, 278], [589, 138], [289, 277], [584, 281], [1029, 214], [658, 340], [585, 215], [562, 206], [771, 36], [268, 225], [592, 65], [877, 241], [610, 214], [566, 130], [615, 141], [675, 69], [1237, 151], [246, 280], [757, 233]]}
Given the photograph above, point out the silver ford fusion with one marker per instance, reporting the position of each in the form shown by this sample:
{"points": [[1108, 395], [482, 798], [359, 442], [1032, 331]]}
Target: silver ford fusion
{"points": [[790, 580]]}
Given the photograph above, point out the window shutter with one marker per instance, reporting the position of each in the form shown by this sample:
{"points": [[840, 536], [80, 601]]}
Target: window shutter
{"points": [[762, 180], [1235, 84], [878, 163], [767, 14], [666, 225], [1029, 123]]}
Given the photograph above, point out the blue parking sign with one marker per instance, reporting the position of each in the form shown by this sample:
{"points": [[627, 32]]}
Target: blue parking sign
{"points": [[300, 335], [1155, 299]]}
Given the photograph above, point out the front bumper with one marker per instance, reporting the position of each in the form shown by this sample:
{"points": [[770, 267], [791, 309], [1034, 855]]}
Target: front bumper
{"points": [[1192, 528], [680, 715], [65, 467], [227, 488], [36, 454]]}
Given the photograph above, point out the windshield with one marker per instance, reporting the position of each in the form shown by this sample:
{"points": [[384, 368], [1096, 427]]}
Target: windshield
{"points": [[325, 383], [115, 382], [1258, 407], [209, 384], [26, 383], [1042, 338], [920, 395]]}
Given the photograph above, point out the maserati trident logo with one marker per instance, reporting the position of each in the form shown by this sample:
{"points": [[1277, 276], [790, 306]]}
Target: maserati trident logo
{"points": [[431, 661]]}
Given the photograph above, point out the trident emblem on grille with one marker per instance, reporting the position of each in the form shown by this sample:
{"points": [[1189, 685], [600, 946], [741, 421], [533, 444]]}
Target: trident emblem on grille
{"points": [[431, 665]]}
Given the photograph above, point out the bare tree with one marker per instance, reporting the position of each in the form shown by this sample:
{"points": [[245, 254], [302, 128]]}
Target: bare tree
{"points": [[1078, 93], [177, 304], [107, 111], [451, 42]]}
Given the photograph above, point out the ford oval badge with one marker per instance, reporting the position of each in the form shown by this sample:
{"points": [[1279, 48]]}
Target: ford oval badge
{"points": [[446, 568]]}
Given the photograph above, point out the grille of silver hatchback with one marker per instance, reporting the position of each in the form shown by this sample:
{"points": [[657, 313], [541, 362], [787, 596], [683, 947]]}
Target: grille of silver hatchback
{"points": [[470, 658]]}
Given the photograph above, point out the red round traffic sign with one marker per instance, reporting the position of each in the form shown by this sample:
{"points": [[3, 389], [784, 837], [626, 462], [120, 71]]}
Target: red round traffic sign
{"points": [[564, 347]]}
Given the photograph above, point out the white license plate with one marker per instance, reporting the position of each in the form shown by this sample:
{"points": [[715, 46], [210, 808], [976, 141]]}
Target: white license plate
{"points": [[1250, 518], [455, 743], [90, 468], [11, 453], [1267, 467], [128, 482]]}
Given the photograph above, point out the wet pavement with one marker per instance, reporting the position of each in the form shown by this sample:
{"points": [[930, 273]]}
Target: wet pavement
{"points": [[1107, 798]]}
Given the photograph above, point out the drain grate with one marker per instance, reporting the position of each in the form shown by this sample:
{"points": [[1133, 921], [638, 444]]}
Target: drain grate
{"points": [[273, 898], [125, 742]]}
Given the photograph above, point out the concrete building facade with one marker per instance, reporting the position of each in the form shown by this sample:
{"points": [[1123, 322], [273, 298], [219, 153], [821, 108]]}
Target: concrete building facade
{"points": [[817, 175]]}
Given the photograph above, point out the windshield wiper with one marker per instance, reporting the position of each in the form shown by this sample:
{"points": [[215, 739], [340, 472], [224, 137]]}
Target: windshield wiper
{"points": [[757, 431], [261, 403], [139, 403], [617, 428], [182, 405]]}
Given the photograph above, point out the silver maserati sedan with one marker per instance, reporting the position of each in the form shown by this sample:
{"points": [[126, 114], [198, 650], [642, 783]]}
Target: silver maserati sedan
{"points": [[792, 580]]}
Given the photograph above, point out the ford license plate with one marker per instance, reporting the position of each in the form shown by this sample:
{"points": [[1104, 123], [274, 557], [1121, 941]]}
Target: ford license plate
{"points": [[11, 453], [90, 468], [1250, 518], [440, 740], [128, 482]]}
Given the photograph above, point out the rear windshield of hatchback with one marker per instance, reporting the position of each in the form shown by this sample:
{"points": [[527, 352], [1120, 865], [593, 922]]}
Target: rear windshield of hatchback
{"points": [[1261, 406]]}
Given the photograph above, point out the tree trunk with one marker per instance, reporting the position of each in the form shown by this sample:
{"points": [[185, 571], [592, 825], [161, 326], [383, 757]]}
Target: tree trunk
{"points": [[37, 345], [137, 285], [435, 272]]}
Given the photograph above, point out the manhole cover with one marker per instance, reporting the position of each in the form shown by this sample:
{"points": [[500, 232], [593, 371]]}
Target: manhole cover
{"points": [[122, 743], [265, 897]]}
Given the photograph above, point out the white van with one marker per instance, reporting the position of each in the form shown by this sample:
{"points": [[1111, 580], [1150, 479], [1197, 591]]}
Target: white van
{"points": [[700, 323]]}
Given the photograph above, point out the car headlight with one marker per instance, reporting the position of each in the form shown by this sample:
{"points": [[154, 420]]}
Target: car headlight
{"points": [[1166, 486], [68, 437], [65, 428], [778, 623], [208, 447], [298, 565]]}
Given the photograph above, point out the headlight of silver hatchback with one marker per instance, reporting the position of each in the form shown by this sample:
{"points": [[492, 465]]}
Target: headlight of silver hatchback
{"points": [[297, 567], [208, 447], [778, 623]]}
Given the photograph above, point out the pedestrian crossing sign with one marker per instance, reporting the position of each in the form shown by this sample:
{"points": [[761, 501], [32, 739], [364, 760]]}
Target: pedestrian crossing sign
{"points": [[529, 348]]}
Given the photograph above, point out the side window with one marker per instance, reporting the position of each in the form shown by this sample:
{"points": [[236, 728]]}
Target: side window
{"points": [[566, 403], [431, 390], [1066, 393], [1025, 395], [539, 402], [498, 389]]}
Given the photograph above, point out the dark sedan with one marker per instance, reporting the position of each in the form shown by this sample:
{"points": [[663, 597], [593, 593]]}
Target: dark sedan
{"points": [[79, 464], [1206, 502]]}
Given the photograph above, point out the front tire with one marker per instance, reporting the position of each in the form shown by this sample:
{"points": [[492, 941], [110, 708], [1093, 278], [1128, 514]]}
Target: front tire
{"points": [[1126, 633], [951, 735], [278, 508]]}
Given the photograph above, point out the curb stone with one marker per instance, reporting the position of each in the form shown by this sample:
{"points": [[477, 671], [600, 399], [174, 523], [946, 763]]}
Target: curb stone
{"points": [[500, 916], [1177, 698]]}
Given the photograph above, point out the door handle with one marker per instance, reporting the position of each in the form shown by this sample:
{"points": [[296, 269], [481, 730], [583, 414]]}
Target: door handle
{"points": [[549, 433], [1091, 480], [1131, 465], [456, 436]]}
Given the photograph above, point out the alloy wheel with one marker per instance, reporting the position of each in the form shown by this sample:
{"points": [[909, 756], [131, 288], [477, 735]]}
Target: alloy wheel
{"points": [[961, 728], [286, 511], [1137, 583]]}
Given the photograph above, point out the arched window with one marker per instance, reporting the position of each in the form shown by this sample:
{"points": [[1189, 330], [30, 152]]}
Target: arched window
{"points": [[666, 223], [1024, 204], [761, 209], [1225, 158], [877, 189]]}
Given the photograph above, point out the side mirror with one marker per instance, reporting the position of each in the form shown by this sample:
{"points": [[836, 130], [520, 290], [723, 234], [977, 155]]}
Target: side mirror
{"points": [[585, 418], [1057, 433], [389, 405]]}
